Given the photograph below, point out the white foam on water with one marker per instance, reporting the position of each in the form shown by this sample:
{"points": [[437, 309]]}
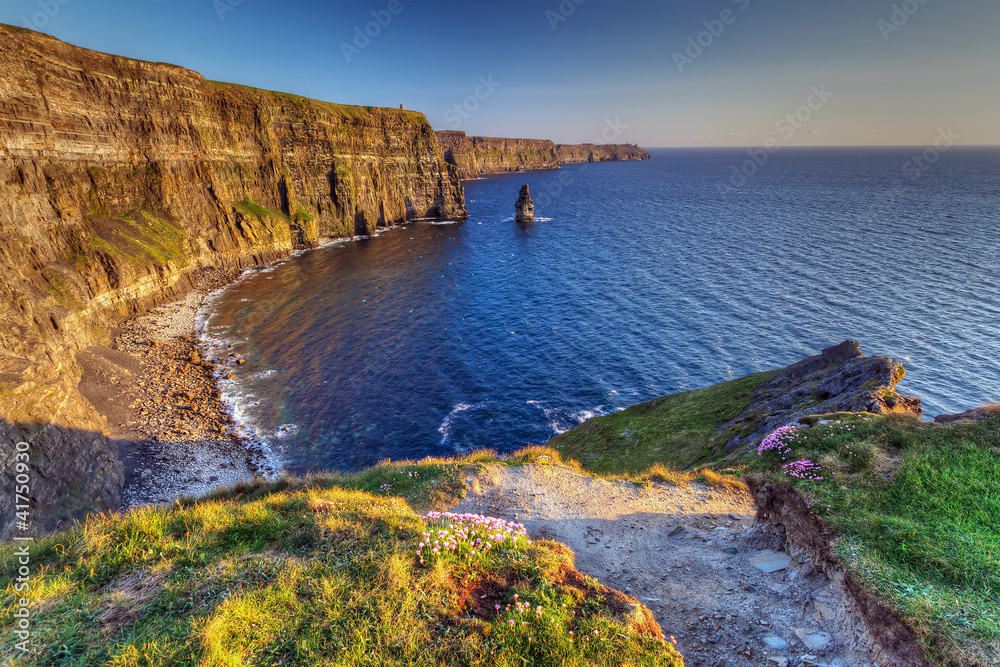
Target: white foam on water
{"points": [[236, 396], [445, 428], [561, 420]]}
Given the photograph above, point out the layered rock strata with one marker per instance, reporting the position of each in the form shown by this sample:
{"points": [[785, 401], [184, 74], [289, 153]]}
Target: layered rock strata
{"points": [[481, 156], [524, 208], [839, 379], [120, 180]]}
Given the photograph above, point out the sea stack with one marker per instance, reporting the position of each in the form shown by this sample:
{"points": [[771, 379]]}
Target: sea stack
{"points": [[524, 208]]}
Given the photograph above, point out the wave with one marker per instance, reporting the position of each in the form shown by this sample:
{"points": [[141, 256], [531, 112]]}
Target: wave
{"points": [[445, 428], [561, 420]]}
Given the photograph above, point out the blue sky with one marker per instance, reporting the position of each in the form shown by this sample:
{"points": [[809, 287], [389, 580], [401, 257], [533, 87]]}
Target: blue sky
{"points": [[666, 73]]}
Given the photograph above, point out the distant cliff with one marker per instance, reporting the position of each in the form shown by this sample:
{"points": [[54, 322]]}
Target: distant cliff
{"points": [[477, 156], [119, 180], [480, 156], [575, 153]]}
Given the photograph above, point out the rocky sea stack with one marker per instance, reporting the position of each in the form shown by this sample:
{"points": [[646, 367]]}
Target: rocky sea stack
{"points": [[524, 208]]}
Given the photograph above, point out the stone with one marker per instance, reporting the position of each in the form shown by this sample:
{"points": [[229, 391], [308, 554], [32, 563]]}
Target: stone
{"points": [[524, 209], [677, 530], [814, 641], [780, 661], [771, 561], [776, 643]]}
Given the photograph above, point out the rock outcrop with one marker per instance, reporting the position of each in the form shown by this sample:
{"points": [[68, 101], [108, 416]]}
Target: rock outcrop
{"points": [[839, 379], [524, 209], [481, 156], [120, 180]]}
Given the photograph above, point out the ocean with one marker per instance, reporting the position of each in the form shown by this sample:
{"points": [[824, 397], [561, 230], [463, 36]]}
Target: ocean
{"points": [[640, 279]]}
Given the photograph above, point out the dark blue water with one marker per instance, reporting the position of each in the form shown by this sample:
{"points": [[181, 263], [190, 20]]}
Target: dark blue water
{"points": [[646, 278]]}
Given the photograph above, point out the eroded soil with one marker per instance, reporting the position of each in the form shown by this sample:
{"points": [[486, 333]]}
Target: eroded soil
{"points": [[688, 554]]}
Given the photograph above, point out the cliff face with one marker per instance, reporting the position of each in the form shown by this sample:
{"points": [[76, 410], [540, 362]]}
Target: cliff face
{"points": [[120, 180], [576, 153], [481, 156]]}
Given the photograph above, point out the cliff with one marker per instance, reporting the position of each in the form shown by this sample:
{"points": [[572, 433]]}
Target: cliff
{"points": [[481, 156], [120, 180], [576, 153]]}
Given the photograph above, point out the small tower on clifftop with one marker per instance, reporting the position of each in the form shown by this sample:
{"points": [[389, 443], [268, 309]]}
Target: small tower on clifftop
{"points": [[524, 209]]}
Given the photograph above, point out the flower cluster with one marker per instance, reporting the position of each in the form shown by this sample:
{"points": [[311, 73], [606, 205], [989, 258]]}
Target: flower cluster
{"points": [[779, 440], [467, 535], [804, 469]]}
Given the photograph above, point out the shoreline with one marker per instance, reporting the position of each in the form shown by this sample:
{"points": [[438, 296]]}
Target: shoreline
{"points": [[157, 385], [160, 396]]}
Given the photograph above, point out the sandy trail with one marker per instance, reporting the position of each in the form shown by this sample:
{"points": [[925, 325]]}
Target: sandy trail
{"points": [[686, 553]]}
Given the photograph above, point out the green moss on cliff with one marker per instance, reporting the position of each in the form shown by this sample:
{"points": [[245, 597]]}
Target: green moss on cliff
{"points": [[247, 206], [140, 237], [678, 430], [342, 110]]}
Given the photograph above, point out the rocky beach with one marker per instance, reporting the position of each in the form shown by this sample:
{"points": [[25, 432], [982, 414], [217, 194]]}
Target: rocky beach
{"points": [[158, 392]]}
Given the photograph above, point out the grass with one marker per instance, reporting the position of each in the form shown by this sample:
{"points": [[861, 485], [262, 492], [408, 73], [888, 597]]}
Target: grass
{"points": [[248, 207], [140, 237], [918, 506], [315, 571], [301, 216], [679, 431], [308, 104]]}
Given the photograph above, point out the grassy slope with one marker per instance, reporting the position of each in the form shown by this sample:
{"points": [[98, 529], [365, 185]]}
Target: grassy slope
{"points": [[260, 576], [918, 506], [678, 430]]}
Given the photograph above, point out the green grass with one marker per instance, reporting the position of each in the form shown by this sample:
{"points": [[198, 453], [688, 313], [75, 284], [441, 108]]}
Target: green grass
{"points": [[918, 506], [140, 237], [678, 431], [306, 103], [300, 215], [311, 572], [248, 207]]}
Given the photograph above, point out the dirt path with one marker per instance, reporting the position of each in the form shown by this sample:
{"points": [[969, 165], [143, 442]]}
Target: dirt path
{"points": [[688, 554]]}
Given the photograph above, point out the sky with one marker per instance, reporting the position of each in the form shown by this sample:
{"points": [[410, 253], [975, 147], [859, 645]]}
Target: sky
{"points": [[655, 73]]}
